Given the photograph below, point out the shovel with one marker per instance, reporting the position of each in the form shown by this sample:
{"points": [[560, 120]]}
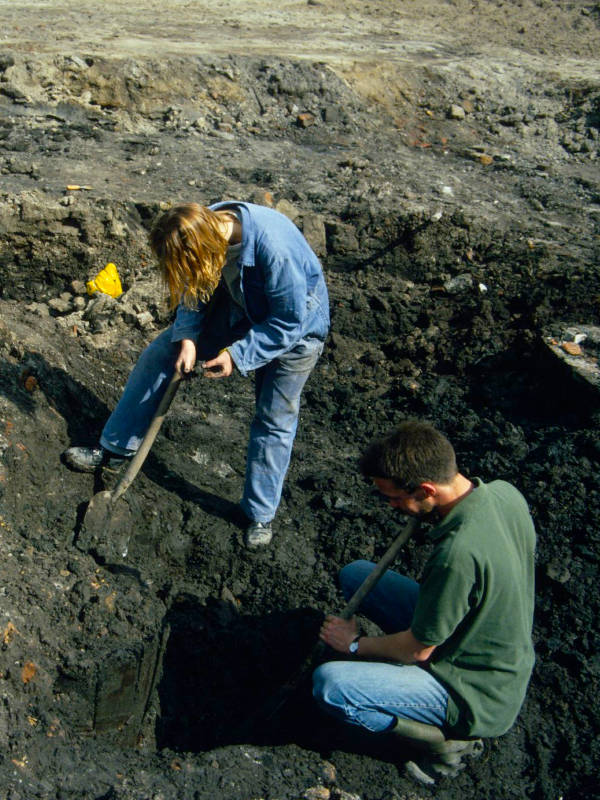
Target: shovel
{"points": [[276, 701], [107, 527]]}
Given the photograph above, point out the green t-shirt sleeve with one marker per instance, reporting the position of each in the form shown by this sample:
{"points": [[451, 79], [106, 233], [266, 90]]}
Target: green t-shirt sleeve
{"points": [[443, 603]]}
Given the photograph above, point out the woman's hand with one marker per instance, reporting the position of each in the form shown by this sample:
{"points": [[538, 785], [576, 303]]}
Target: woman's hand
{"points": [[186, 360], [338, 633], [219, 367]]}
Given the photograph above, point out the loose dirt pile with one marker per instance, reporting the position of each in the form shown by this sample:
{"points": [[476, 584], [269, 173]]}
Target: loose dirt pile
{"points": [[442, 159]]}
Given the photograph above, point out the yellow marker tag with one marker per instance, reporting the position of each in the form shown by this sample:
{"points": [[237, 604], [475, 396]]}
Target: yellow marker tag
{"points": [[106, 281]]}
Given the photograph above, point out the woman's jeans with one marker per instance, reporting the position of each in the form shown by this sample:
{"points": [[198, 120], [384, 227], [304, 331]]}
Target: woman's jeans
{"points": [[373, 694], [279, 385]]}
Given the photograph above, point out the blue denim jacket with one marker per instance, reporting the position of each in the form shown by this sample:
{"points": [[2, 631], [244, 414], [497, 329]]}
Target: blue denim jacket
{"points": [[282, 284]]}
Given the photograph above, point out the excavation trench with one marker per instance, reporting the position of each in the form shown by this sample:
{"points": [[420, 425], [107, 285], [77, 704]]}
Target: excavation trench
{"points": [[172, 649]]}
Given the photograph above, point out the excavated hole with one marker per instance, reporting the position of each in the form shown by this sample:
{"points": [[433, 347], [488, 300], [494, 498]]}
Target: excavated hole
{"points": [[221, 670]]}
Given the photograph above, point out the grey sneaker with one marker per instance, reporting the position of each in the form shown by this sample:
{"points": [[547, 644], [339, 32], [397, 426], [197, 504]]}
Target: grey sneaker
{"points": [[258, 534], [89, 459]]}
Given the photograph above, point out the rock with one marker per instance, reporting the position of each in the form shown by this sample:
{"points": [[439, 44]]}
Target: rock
{"points": [[6, 61], [331, 114], [305, 119], [329, 773], [458, 284], [287, 208], [313, 228], [456, 112], [78, 287], [41, 309], [575, 336], [317, 793], [341, 238], [263, 197], [572, 348], [145, 320], [59, 305]]}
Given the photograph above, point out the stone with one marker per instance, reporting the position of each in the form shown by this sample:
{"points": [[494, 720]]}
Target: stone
{"points": [[287, 208], [572, 348], [313, 228], [456, 112], [59, 305], [78, 287], [145, 320], [305, 119], [342, 238], [460, 283]]}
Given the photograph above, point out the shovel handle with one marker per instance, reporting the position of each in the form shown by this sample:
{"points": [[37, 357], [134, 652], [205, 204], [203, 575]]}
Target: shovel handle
{"points": [[372, 578], [381, 566], [148, 440]]}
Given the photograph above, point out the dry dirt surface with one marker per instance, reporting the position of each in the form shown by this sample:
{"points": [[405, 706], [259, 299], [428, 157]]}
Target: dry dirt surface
{"points": [[442, 159]]}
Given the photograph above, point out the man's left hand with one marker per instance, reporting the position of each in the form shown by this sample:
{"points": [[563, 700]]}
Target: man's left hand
{"points": [[219, 367], [338, 633]]}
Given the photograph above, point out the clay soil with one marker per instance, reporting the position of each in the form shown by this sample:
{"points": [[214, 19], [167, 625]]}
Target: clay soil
{"points": [[442, 159]]}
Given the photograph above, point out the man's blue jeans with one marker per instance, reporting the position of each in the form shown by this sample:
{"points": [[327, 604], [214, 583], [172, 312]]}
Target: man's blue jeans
{"points": [[373, 694], [279, 385]]}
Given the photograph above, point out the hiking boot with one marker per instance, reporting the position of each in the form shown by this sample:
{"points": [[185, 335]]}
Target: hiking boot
{"points": [[89, 459], [442, 757], [444, 764], [258, 534]]}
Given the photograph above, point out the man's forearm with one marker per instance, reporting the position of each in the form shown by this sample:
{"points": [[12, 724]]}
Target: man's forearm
{"points": [[402, 647]]}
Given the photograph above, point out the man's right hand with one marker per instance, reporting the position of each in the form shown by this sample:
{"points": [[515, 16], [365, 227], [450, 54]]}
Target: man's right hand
{"points": [[338, 633], [186, 360]]}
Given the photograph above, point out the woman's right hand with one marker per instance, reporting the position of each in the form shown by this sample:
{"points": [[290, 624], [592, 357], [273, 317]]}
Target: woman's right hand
{"points": [[186, 359]]}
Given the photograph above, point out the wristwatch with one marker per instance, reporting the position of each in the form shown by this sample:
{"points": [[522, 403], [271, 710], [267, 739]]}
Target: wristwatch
{"points": [[353, 646]]}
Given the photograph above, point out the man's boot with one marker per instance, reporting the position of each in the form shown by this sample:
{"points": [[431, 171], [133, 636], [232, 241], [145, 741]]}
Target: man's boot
{"points": [[441, 756]]}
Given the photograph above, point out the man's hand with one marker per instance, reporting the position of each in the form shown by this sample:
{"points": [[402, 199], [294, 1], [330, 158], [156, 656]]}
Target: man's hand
{"points": [[401, 647], [219, 367], [186, 359], [338, 633]]}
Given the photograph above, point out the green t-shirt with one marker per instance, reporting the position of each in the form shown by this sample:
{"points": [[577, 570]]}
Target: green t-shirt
{"points": [[476, 605]]}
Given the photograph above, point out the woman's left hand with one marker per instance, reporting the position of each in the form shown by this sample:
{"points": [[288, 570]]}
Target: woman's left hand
{"points": [[219, 367]]}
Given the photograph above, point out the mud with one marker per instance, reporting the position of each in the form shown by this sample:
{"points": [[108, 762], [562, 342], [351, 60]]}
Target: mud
{"points": [[442, 159]]}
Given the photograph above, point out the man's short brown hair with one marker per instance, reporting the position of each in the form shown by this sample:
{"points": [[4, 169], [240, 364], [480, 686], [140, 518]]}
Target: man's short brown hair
{"points": [[414, 453]]}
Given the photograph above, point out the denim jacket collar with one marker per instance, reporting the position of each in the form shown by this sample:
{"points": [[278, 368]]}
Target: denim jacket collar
{"points": [[248, 231]]}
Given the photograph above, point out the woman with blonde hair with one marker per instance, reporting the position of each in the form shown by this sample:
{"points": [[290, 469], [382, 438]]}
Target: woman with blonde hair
{"points": [[250, 294]]}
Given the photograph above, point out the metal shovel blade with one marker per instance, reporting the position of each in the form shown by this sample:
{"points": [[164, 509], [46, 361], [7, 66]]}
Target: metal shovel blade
{"points": [[106, 528], [108, 521]]}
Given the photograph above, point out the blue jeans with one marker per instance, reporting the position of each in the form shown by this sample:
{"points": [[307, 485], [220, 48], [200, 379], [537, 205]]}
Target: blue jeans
{"points": [[279, 385], [373, 694]]}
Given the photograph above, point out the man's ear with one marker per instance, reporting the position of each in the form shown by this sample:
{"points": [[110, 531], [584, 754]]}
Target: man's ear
{"points": [[429, 489]]}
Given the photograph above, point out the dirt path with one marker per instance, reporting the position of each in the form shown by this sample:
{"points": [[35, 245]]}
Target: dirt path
{"points": [[333, 31]]}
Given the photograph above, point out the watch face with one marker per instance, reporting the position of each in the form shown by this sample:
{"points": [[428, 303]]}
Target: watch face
{"points": [[353, 647]]}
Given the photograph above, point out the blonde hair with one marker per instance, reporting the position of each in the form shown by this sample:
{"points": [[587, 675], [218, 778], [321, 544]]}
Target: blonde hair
{"points": [[190, 247]]}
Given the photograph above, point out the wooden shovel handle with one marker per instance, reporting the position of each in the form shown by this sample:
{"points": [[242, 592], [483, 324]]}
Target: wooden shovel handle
{"points": [[373, 577], [148, 440]]}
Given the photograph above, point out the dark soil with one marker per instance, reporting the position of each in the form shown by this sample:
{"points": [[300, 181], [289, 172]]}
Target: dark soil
{"points": [[454, 248]]}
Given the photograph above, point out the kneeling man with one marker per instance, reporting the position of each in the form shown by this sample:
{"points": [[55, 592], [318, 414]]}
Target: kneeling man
{"points": [[456, 655]]}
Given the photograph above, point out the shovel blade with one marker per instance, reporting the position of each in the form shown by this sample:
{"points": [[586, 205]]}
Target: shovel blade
{"points": [[106, 528]]}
